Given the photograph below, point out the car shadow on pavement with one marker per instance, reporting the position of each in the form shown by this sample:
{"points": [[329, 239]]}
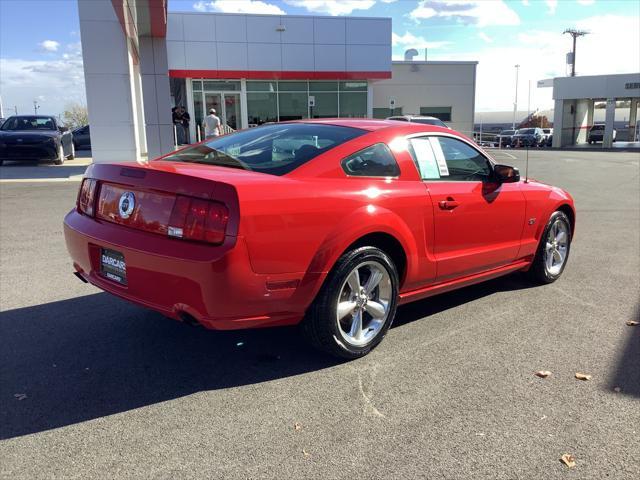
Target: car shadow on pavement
{"points": [[87, 357], [627, 373]]}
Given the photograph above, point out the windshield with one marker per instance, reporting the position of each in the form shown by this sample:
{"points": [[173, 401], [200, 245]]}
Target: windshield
{"points": [[275, 149], [29, 123], [429, 121], [527, 131]]}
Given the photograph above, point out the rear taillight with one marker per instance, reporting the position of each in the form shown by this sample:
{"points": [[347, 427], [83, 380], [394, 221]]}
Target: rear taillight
{"points": [[86, 197], [200, 220]]}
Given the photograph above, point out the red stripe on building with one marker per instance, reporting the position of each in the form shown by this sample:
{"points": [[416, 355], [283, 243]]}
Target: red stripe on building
{"points": [[278, 75], [158, 18]]}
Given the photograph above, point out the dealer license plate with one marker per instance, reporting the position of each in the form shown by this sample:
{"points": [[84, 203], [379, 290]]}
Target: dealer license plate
{"points": [[112, 266]]}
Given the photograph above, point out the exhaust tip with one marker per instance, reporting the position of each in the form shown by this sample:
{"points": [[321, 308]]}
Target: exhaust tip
{"points": [[190, 319], [79, 275]]}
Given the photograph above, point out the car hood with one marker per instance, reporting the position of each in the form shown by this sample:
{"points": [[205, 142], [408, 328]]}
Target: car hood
{"points": [[29, 134]]}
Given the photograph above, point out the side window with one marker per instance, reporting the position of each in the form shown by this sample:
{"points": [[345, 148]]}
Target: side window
{"points": [[450, 159], [374, 161]]}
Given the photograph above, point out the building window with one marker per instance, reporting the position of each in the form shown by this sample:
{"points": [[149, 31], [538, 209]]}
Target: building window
{"points": [[262, 107], [353, 104], [293, 105], [386, 112], [443, 113], [353, 86], [217, 85], [326, 105]]}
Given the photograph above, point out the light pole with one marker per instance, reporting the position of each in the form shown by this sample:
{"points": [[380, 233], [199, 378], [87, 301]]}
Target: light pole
{"points": [[35, 107], [574, 34], [515, 102]]}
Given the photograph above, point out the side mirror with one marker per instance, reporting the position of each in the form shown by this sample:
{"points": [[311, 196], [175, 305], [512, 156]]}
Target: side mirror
{"points": [[506, 174]]}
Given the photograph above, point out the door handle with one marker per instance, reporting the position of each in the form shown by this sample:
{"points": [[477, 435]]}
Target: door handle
{"points": [[448, 204]]}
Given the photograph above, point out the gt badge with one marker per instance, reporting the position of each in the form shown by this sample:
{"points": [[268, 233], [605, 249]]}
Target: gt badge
{"points": [[127, 204]]}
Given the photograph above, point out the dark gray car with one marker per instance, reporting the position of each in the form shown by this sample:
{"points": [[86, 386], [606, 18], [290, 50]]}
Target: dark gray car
{"points": [[35, 137], [82, 137]]}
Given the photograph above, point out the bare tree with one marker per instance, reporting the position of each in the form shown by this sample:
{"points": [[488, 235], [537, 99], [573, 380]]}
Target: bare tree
{"points": [[75, 115]]}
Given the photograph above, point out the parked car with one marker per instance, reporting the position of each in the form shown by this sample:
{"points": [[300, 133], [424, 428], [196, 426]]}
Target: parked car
{"points": [[527, 137], [333, 235], [504, 138], [35, 137], [547, 133], [423, 119], [596, 133], [82, 138]]}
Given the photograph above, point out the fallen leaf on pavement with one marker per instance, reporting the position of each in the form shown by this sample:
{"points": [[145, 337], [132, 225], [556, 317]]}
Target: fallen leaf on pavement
{"points": [[583, 376], [617, 389], [297, 426], [20, 396], [305, 453], [633, 323], [569, 460], [542, 373]]}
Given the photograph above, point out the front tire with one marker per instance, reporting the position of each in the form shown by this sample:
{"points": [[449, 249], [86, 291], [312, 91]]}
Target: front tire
{"points": [[356, 305], [72, 155], [60, 159], [553, 250]]}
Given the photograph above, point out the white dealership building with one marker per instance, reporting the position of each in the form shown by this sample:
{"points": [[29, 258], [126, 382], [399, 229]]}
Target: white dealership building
{"points": [[141, 60]]}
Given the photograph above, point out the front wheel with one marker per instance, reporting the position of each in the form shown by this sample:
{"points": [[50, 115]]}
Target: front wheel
{"points": [[60, 158], [356, 305], [72, 155], [553, 249]]}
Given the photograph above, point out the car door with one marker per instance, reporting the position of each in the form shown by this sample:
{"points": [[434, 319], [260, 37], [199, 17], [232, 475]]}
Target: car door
{"points": [[477, 222]]}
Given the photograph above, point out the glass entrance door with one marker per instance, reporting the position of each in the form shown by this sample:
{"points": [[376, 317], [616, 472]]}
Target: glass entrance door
{"points": [[208, 94], [231, 112]]}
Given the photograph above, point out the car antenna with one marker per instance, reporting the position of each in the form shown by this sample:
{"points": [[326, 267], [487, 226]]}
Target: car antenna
{"points": [[526, 167]]}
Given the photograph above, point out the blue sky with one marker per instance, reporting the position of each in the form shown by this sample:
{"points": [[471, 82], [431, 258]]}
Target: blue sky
{"points": [[40, 52]]}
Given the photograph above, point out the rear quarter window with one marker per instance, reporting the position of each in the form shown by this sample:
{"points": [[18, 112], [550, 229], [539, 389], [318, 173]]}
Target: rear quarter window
{"points": [[374, 161]]}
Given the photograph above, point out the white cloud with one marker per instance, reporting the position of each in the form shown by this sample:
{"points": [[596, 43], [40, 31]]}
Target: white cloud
{"points": [[55, 82], [409, 40], [541, 54], [586, 2], [479, 12], [552, 5], [525, 3], [333, 7], [485, 37], [49, 45], [239, 6]]}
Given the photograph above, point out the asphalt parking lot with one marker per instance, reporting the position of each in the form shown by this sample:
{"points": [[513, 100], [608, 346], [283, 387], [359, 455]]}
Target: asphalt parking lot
{"points": [[93, 387]]}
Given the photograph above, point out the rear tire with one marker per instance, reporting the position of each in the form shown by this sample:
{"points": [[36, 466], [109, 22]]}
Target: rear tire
{"points": [[553, 250], [355, 306]]}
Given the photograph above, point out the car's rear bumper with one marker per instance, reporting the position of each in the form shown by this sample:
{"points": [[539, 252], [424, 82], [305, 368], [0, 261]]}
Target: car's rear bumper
{"points": [[215, 285]]}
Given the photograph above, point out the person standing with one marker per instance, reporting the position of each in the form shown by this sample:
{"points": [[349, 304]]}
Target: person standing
{"points": [[211, 124], [185, 118]]}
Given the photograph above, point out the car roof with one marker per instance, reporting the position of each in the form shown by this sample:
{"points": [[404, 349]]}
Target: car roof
{"points": [[373, 124]]}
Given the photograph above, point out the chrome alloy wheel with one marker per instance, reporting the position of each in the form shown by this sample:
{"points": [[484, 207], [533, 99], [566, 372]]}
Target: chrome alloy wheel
{"points": [[363, 303], [556, 247]]}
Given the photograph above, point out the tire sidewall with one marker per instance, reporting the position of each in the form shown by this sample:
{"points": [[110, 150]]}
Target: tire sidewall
{"points": [[336, 279], [60, 158]]}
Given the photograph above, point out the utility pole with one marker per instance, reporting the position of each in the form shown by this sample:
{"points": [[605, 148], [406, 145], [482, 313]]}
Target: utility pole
{"points": [[575, 34], [515, 102], [35, 107]]}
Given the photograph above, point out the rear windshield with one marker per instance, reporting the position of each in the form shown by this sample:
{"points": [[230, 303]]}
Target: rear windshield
{"points": [[276, 149]]}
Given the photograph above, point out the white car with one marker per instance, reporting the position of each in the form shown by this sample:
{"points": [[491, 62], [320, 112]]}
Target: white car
{"points": [[420, 119]]}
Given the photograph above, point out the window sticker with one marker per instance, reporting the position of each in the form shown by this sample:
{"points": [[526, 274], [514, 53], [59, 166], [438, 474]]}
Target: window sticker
{"points": [[426, 159], [442, 163]]}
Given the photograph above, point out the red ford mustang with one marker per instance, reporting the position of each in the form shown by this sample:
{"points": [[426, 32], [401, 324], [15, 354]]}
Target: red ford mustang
{"points": [[328, 223]]}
